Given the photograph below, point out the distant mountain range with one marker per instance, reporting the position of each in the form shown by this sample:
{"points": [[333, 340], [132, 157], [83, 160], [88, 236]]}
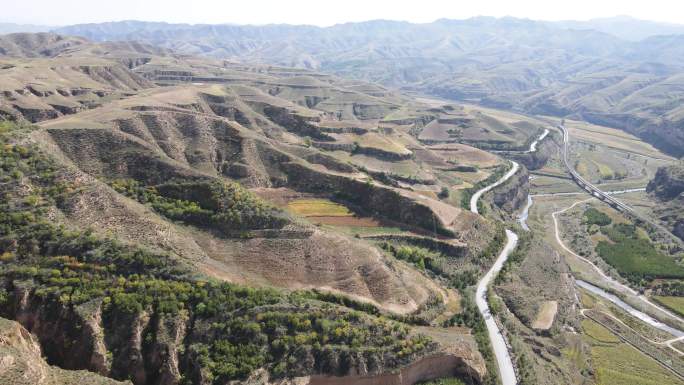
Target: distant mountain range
{"points": [[623, 27], [621, 72], [15, 28], [626, 27]]}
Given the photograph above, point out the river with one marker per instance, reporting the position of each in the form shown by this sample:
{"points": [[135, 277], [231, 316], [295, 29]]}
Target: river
{"points": [[628, 308]]}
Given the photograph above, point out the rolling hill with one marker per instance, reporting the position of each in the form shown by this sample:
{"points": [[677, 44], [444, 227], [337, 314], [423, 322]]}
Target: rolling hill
{"points": [[172, 218], [576, 70]]}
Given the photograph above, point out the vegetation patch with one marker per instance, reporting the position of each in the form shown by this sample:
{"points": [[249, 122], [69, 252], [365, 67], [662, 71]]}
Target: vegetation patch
{"points": [[434, 262], [231, 330], [593, 216], [605, 172], [471, 317], [675, 304], [634, 257], [212, 204]]}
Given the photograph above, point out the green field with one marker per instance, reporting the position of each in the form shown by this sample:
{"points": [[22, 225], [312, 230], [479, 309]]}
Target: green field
{"points": [[675, 304], [634, 257], [617, 363]]}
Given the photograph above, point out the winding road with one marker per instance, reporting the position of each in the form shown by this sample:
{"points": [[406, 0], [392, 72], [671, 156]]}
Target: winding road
{"points": [[503, 357], [606, 197], [498, 341], [533, 146], [522, 218]]}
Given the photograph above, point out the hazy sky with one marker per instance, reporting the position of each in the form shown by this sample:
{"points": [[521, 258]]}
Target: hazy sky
{"points": [[321, 12]]}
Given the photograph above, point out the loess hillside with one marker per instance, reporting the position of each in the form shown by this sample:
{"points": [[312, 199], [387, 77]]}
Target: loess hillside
{"points": [[580, 70], [199, 221]]}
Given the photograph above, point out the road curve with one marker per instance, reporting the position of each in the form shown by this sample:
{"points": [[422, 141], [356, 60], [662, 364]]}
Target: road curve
{"points": [[478, 194], [503, 356], [533, 146]]}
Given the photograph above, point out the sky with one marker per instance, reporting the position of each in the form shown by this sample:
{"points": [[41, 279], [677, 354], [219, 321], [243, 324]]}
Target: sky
{"points": [[324, 13]]}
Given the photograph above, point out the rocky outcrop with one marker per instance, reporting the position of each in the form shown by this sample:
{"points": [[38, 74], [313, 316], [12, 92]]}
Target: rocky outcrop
{"points": [[21, 362], [668, 188], [151, 348], [429, 368], [294, 123], [536, 160], [142, 347], [512, 195], [668, 182]]}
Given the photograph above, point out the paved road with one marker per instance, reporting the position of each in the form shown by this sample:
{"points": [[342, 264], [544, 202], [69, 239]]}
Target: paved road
{"points": [[503, 357], [478, 194], [533, 146], [501, 352]]}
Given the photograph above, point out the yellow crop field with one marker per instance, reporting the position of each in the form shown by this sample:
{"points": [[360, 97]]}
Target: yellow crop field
{"points": [[318, 208]]}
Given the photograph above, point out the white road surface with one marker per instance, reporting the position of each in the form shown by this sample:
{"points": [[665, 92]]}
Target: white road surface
{"points": [[503, 357]]}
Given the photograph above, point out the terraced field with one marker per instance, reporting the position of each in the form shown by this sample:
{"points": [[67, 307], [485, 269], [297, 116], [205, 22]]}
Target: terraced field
{"points": [[617, 363], [327, 212]]}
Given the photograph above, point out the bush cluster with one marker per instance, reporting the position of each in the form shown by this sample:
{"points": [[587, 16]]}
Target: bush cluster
{"points": [[233, 329], [214, 204], [594, 217], [636, 258]]}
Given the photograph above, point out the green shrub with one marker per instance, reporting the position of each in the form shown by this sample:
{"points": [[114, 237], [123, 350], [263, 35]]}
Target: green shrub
{"points": [[234, 329], [636, 258], [466, 194], [593, 216], [214, 204]]}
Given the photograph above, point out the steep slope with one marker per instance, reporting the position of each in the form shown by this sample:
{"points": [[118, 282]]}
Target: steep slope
{"points": [[36, 44], [118, 308], [209, 221], [668, 188], [21, 362], [48, 88]]}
